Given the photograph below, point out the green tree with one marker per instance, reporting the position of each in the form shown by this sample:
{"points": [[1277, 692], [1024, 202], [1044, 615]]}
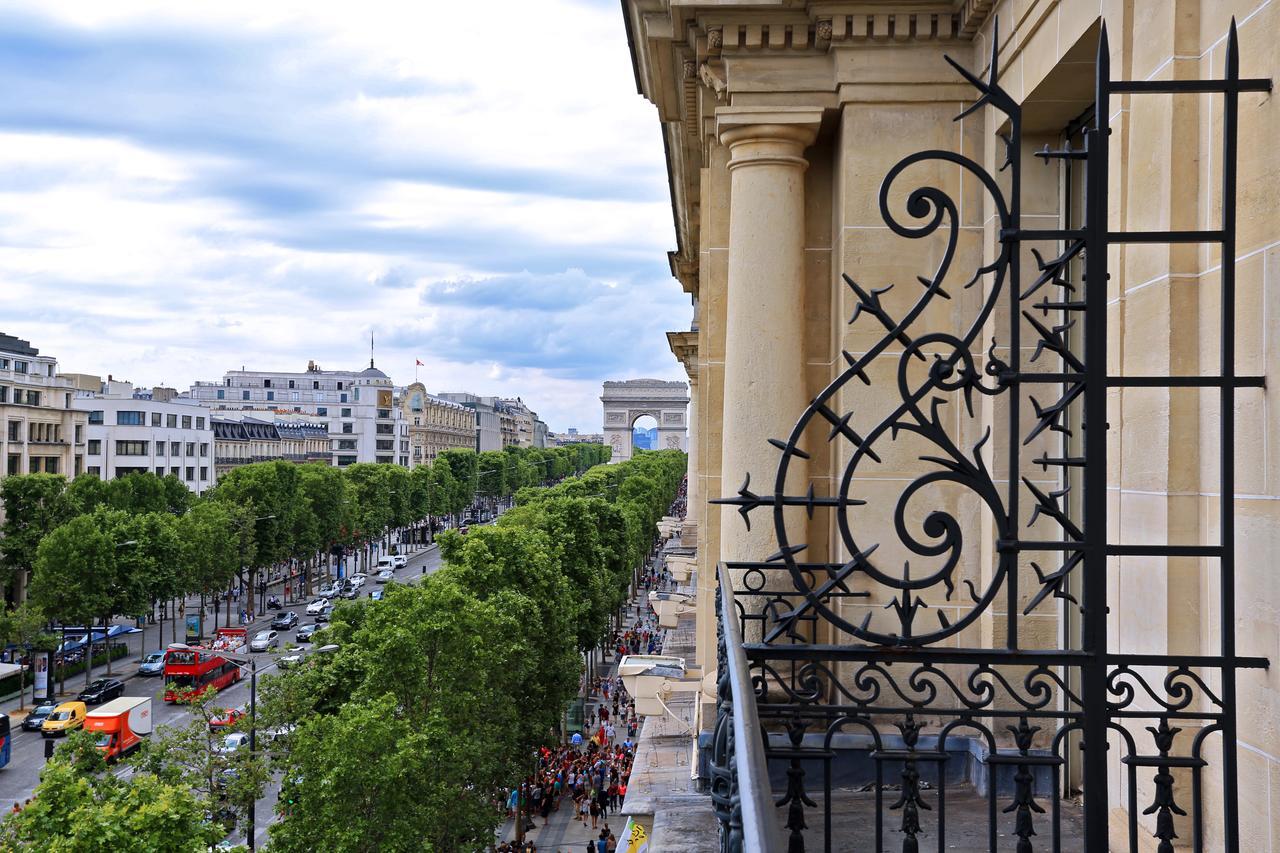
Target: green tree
{"points": [[34, 504], [79, 810], [217, 540], [75, 568], [463, 464]]}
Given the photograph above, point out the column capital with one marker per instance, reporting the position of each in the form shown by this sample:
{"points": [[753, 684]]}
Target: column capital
{"points": [[763, 135]]}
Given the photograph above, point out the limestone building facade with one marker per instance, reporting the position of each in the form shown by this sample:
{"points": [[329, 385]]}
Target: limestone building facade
{"points": [[780, 122], [43, 433], [435, 425]]}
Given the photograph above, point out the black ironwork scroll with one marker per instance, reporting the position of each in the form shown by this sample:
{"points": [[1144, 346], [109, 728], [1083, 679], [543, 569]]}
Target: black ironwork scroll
{"points": [[906, 680]]}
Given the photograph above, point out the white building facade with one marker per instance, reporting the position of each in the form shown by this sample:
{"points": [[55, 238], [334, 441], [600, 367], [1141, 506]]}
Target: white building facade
{"points": [[41, 432], [359, 407], [128, 434]]}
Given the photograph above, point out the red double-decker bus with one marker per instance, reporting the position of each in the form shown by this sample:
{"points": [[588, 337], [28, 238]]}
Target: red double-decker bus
{"points": [[190, 670]]}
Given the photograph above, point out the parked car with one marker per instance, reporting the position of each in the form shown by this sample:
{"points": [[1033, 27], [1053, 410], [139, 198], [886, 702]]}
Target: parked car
{"points": [[384, 576], [264, 640], [152, 664], [358, 581], [324, 615], [316, 606], [290, 661], [376, 595], [285, 621], [65, 718], [232, 742], [101, 690], [399, 561], [329, 590], [305, 633], [225, 719], [34, 720], [350, 593]]}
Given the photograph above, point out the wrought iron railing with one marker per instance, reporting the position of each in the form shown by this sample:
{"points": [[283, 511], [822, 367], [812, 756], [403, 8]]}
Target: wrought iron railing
{"points": [[947, 683], [740, 790]]}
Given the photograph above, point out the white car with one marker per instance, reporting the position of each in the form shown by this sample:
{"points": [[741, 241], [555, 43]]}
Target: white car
{"points": [[385, 576], [290, 661], [357, 581], [399, 561], [232, 742], [384, 563], [317, 606], [329, 590]]}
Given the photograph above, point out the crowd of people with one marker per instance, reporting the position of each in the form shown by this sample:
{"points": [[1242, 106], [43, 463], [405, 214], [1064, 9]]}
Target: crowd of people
{"points": [[589, 775]]}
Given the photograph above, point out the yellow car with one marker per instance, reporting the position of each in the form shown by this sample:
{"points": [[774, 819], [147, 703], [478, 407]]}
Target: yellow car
{"points": [[67, 717]]}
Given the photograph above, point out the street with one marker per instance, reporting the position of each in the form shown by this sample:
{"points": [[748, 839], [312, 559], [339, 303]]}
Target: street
{"points": [[20, 777]]}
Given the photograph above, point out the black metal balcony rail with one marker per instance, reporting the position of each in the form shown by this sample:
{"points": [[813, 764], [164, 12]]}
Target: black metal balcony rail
{"points": [[907, 678], [740, 790]]}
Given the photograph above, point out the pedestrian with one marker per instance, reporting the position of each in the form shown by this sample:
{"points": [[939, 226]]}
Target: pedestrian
{"points": [[16, 808], [594, 808], [583, 809]]}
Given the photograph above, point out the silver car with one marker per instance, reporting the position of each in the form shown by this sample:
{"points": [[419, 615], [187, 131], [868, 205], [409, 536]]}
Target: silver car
{"points": [[264, 640]]}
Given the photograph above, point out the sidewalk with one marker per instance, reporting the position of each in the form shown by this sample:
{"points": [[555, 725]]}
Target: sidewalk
{"points": [[563, 832]]}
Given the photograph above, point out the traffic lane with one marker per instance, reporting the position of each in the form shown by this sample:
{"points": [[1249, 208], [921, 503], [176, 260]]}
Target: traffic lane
{"points": [[19, 778], [22, 774]]}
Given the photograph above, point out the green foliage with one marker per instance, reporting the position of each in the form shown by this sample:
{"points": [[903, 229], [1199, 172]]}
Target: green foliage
{"points": [[78, 809], [464, 465], [34, 504]]}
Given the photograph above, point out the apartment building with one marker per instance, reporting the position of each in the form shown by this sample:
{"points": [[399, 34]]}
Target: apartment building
{"points": [[358, 407], [435, 425], [42, 432], [128, 433]]}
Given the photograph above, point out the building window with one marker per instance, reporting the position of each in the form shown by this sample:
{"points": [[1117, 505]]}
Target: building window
{"points": [[204, 473], [315, 385], [191, 450], [291, 385], [171, 421], [33, 398], [19, 367], [95, 417], [357, 393], [344, 461], [92, 470], [340, 388], [79, 433], [385, 460], [186, 421], [191, 473], [15, 430], [95, 446], [346, 444], [4, 394], [131, 418], [322, 411], [175, 449], [346, 413], [384, 413], [384, 444], [4, 364], [385, 429], [348, 427], [159, 448], [342, 398], [199, 423], [159, 470], [226, 382], [51, 464], [132, 448], [79, 465], [271, 395], [244, 395], [175, 470], [155, 419], [266, 383], [222, 395], [204, 449]]}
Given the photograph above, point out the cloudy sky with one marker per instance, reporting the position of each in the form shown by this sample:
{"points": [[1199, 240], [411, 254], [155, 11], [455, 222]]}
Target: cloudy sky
{"points": [[191, 187]]}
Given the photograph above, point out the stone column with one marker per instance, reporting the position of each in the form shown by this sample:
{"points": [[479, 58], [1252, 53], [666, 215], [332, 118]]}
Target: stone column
{"points": [[764, 331], [693, 491]]}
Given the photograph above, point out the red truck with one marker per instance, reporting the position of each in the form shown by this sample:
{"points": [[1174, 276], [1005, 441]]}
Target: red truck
{"points": [[120, 725]]}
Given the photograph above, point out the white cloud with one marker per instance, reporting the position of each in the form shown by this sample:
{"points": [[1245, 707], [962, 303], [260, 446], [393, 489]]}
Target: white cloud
{"points": [[186, 188]]}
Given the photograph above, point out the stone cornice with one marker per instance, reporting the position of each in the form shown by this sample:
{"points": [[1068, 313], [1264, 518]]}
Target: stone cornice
{"points": [[684, 346]]}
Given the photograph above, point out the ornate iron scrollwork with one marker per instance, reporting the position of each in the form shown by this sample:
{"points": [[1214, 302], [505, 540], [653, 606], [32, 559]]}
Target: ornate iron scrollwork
{"points": [[910, 672]]}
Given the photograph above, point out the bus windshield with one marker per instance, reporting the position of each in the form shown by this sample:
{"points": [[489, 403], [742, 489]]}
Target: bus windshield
{"points": [[183, 680]]}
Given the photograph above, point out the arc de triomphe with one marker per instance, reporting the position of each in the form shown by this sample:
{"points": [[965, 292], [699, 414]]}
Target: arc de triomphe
{"points": [[626, 401]]}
